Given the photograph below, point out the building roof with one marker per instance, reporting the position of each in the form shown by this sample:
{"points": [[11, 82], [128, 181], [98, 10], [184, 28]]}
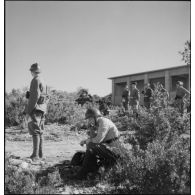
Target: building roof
{"points": [[175, 67]]}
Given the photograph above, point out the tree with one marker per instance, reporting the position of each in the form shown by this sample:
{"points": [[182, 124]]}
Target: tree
{"points": [[186, 54]]}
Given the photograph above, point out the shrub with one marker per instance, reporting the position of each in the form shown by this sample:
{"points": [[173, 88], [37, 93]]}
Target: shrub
{"points": [[14, 106], [160, 159], [18, 181]]}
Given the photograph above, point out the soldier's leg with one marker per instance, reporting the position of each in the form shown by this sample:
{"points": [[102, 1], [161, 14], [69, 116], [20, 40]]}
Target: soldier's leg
{"points": [[89, 165], [36, 140], [41, 138], [107, 157], [135, 110], [41, 146], [34, 130], [30, 129]]}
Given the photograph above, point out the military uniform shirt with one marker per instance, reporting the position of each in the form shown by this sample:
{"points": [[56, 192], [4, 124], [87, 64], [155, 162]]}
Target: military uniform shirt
{"points": [[148, 94], [181, 92], [36, 88], [125, 94], [135, 96], [106, 130]]}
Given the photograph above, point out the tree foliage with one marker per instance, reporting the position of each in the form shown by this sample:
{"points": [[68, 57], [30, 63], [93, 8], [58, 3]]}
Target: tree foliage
{"points": [[186, 53]]}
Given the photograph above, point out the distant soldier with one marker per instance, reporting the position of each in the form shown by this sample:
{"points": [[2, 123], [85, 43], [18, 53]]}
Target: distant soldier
{"points": [[84, 98], [134, 98], [125, 97], [148, 95], [181, 93], [103, 107], [164, 95], [36, 110]]}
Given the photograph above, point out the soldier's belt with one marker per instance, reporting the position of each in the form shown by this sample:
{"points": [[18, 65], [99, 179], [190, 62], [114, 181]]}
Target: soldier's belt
{"points": [[110, 140]]}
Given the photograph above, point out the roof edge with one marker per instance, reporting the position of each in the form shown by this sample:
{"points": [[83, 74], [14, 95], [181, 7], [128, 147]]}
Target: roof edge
{"points": [[149, 71]]}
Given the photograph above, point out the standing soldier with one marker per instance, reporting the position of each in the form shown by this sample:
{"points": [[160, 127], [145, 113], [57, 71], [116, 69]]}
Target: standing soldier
{"points": [[181, 93], [36, 109], [164, 95], [134, 98], [125, 97], [148, 94]]}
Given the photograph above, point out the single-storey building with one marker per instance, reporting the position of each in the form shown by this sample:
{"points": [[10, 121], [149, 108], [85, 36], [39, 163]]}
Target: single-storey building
{"points": [[168, 77]]}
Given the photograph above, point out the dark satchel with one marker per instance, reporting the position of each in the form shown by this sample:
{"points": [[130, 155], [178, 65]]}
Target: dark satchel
{"points": [[77, 159], [27, 94], [43, 99]]}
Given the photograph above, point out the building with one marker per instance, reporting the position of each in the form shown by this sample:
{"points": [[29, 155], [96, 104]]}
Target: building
{"points": [[168, 77]]}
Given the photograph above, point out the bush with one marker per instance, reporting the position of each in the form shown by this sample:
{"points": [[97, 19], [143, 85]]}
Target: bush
{"points": [[14, 107], [18, 181], [160, 158], [157, 170], [61, 108]]}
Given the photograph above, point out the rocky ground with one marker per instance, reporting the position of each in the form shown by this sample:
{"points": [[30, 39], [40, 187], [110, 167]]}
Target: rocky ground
{"points": [[60, 144]]}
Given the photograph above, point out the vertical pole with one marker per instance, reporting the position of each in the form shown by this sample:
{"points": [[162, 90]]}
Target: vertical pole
{"points": [[145, 78], [167, 81], [113, 92]]}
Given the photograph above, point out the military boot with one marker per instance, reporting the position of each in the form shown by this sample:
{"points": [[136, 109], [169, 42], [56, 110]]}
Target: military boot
{"points": [[36, 141]]}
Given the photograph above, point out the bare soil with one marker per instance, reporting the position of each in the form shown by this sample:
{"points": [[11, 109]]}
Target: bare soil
{"points": [[59, 143]]}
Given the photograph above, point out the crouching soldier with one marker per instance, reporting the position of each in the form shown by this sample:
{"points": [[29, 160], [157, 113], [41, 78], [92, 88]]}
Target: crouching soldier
{"points": [[104, 146], [134, 99], [36, 110]]}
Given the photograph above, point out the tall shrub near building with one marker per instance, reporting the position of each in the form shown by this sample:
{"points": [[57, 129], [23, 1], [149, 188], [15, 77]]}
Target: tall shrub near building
{"points": [[160, 159]]}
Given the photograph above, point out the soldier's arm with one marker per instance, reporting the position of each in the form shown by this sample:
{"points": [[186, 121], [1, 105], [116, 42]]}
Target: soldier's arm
{"points": [[167, 94], [138, 95], [101, 133], [34, 96], [186, 92]]}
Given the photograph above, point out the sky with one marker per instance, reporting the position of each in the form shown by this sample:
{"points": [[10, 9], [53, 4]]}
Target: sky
{"points": [[83, 43]]}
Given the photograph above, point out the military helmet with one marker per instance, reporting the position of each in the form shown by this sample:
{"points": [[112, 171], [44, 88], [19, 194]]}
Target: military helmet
{"points": [[134, 83], [92, 112], [180, 83], [35, 68]]}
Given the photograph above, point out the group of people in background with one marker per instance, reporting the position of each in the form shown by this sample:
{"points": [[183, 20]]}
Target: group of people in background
{"points": [[131, 98]]}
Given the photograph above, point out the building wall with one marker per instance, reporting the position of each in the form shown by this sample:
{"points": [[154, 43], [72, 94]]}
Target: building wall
{"points": [[167, 77]]}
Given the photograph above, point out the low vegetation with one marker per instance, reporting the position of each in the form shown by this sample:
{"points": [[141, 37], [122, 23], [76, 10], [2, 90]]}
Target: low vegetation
{"points": [[157, 163]]}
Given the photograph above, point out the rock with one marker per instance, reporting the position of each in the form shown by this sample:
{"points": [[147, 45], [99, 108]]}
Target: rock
{"points": [[24, 165], [15, 162]]}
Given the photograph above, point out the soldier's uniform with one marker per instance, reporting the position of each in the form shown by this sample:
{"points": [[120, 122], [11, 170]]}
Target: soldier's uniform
{"points": [[36, 109], [125, 98], [148, 93], [164, 96], [134, 100], [181, 92], [105, 146]]}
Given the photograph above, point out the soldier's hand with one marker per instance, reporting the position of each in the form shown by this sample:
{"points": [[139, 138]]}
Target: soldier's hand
{"points": [[83, 142], [27, 116]]}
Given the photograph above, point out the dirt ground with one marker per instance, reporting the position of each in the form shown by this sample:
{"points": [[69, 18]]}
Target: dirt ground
{"points": [[55, 150]]}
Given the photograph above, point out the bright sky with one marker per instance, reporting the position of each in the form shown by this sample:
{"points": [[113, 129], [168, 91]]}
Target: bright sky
{"points": [[81, 44]]}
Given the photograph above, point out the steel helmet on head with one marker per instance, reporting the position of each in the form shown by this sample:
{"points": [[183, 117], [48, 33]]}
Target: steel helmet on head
{"points": [[92, 112], [180, 83], [35, 68]]}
